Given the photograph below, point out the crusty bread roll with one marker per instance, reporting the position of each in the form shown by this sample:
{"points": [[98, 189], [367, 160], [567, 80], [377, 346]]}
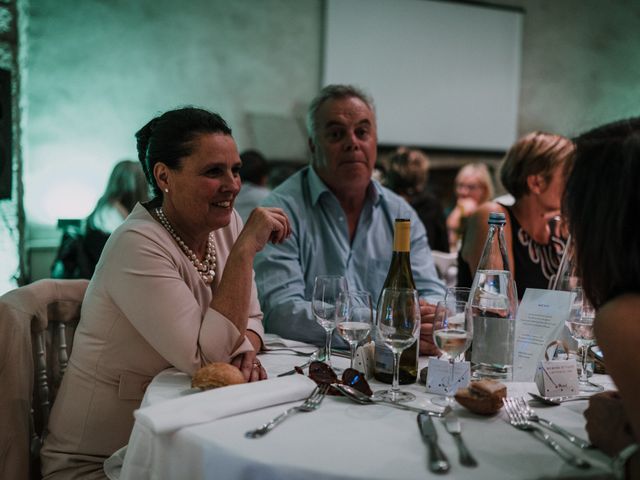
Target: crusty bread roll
{"points": [[482, 396], [216, 375]]}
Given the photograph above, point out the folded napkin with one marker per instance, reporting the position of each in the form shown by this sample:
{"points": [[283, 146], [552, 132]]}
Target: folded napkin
{"points": [[203, 407]]}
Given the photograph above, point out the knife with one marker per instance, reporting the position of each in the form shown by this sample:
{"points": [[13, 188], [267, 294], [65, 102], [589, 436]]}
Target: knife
{"points": [[438, 462]]}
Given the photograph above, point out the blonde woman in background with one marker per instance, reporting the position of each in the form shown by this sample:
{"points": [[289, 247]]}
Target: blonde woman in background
{"points": [[473, 187], [534, 172]]}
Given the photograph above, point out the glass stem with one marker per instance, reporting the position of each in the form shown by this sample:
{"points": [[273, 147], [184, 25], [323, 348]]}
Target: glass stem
{"points": [[395, 386], [583, 371], [450, 390], [327, 347], [354, 347]]}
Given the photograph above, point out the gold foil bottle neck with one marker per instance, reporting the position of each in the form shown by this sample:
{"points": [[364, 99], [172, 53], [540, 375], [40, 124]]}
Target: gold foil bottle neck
{"points": [[402, 235]]}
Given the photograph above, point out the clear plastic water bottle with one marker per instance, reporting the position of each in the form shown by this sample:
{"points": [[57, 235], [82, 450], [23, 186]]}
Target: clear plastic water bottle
{"points": [[494, 302]]}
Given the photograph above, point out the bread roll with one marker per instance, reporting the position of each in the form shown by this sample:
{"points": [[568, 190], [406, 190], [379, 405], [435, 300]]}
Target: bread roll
{"points": [[216, 375], [482, 396]]}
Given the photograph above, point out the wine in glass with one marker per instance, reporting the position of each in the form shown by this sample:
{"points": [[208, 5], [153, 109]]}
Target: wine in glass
{"points": [[580, 325], [326, 290], [397, 326], [355, 318], [452, 334]]}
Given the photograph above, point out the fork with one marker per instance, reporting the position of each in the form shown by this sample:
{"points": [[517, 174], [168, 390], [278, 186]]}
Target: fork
{"points": [[310, 404], [518, 420], [453, 426], [532, 416]]}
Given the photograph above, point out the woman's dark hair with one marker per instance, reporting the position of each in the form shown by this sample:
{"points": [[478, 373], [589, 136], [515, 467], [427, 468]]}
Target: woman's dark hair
{"points": [[602, 201], [168, 138]]}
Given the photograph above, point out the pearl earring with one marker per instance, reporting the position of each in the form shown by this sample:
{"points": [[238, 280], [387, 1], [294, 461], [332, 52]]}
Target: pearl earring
{"points": [[166, 190]]}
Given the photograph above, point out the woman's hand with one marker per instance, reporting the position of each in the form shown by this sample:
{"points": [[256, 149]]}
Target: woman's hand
{"points": [[265, 224], [250, 366], [607, 425]]}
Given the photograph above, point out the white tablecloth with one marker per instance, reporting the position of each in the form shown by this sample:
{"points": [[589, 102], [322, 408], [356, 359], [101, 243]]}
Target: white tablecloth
{"points": [[345, 440]]}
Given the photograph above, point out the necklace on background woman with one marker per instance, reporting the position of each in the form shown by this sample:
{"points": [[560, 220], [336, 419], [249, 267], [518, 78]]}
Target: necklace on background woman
{"points": [[207, 268]]}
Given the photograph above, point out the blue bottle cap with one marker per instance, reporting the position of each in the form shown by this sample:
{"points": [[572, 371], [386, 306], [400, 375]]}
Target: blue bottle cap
{"points": [[497, 218]]}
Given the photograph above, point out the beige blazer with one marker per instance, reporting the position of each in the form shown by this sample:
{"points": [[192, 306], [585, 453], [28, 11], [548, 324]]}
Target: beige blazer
{"points": [[146, 309]]}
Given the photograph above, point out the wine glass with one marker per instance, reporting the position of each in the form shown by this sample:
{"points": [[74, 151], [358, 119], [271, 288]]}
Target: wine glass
{"points": [[580, 325], [452, 334], [458, 294], [397, 325], [326, 290], [354, 318]]}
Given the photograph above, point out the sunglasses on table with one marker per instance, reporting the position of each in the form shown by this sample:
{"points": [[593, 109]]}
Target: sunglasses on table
{"points": [[323, 374]]}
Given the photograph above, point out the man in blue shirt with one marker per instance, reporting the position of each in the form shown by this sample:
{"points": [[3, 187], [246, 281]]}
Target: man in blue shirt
{"points": [[342, 223]]}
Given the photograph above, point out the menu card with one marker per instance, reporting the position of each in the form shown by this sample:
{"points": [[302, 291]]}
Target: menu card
{"points": [[540, 320]]}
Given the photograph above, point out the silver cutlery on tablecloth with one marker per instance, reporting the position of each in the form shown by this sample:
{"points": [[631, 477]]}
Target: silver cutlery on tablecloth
{"points": [[532, 416], [438, 462], [453, 426], [364, 399], [309, 405], [560, 399], [519, 421]]}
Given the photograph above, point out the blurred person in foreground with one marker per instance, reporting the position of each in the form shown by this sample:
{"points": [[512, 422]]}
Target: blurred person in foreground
{"points": [[472, 187], [407, 176], [254, 173], [534, 172], [80, 250], [173, 288], [342, 222], [602, 201]]}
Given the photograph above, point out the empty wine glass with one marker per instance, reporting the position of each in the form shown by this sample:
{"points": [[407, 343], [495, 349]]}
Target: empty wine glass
{"points": [[355, 318], [397, 325], [326, 290], [580, 325], [452, 334]]}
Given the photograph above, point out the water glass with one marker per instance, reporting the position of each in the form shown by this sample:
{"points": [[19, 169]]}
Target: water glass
{"points": [[326, 290], [580, 325], [452, 334], [354, 318]]}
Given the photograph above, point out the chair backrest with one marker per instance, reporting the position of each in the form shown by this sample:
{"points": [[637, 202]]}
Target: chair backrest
{"points": [[37, 323], [446, 266]]}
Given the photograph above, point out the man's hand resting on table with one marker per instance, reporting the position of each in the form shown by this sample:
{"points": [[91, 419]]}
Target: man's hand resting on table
{"points": [[427, 315]]}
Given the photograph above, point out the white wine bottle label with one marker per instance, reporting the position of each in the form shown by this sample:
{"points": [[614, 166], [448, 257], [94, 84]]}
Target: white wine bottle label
{"points": [[383, 359]]}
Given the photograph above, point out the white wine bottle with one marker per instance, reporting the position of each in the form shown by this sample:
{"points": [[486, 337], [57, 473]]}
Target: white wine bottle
{"points": [[399, 276]]}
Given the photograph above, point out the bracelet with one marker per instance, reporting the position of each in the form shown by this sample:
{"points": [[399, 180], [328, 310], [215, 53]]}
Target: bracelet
{"points": [[621, 459]]}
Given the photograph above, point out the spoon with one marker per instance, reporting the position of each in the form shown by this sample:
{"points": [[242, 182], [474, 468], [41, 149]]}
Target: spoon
{"points": [[560, 399], [364, 399]]}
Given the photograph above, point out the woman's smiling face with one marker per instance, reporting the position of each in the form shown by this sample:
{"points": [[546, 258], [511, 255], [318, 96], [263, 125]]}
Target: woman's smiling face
{"points": [[202, 191]]}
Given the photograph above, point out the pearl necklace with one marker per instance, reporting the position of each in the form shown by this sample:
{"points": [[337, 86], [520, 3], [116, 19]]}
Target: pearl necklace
{"points": [[207, 268]]}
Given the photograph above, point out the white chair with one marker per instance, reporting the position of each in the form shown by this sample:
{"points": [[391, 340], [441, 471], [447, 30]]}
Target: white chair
{"points": [[446, 266], [37, 323]]}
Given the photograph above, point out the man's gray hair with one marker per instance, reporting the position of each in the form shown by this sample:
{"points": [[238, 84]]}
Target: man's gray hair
{"points": [[331, 92]]}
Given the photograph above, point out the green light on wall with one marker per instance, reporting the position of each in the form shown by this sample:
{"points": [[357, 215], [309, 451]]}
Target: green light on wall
{"points": [[54, 193]]}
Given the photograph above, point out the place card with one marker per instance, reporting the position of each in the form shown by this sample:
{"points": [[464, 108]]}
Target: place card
{"points": [[439, 375], [540, 320], [364, 359], [557, 377]]}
